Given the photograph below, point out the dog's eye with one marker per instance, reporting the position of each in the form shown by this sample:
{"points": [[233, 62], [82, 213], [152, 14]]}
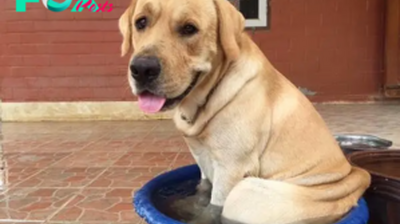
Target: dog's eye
{"points": [[188, 30], [141, 23]]}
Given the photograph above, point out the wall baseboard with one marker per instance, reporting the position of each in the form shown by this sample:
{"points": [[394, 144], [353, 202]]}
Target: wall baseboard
{"points": [[75, 111], [94, 111]]}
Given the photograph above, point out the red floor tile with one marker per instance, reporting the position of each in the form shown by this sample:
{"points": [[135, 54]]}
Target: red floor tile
{"points": [[106, 205], [146, 159], [90, 159], [34, 160], [183, 159], [159, 146], [21, 222], [165, 126], [34, 204], [22, 146], [63, 177], [112, 145], [126, 177], [162, 144], [62, 146], [18, 174]]}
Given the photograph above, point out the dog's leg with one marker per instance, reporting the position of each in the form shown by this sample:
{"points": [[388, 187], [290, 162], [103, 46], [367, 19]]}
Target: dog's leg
{"points": [[193, 205], [224, 181], [261, 201], [210, 215], [204, 191]]}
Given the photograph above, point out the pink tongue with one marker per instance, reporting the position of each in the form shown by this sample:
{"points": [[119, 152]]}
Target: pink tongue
{"points": [[150, 103]]}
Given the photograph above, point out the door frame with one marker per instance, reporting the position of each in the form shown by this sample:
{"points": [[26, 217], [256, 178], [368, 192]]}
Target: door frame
{"points": [[392, 49]]}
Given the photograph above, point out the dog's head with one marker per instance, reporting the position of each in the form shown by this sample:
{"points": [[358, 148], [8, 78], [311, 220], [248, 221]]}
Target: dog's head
{"points": [[176, 43]]}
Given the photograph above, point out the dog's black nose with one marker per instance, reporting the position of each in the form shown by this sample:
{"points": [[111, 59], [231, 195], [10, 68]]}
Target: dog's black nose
{"points": [[145, 69]]}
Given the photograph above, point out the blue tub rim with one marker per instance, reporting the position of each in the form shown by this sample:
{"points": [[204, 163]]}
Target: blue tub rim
{"points": [[145, 208]]}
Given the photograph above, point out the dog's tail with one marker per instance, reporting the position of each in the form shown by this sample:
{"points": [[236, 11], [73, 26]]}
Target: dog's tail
{"points": [[261, 201]]}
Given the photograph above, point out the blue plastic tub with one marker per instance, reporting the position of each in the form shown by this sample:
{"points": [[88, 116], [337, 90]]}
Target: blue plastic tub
{"points": [[182, 182]]}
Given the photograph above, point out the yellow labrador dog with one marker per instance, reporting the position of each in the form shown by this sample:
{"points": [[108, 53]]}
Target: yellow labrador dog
{"points": [[266, 156]]}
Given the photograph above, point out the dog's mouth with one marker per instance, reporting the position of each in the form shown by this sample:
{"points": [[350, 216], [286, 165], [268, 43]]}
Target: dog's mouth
{"points": [[152, 103]]}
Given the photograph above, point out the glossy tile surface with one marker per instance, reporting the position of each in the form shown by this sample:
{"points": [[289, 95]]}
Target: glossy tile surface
{"points": [[86, 173], [382, 120]]}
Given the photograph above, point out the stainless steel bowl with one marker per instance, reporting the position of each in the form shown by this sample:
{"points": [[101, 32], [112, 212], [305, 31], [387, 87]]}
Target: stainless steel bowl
{"points": [[361, 142]]}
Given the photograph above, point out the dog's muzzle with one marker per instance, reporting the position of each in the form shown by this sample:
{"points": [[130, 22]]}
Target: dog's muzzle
{"points": [[145, 69]]}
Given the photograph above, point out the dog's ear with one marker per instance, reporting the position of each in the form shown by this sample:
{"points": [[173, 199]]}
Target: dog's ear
{"points": [[125, 27], [230, 27]]}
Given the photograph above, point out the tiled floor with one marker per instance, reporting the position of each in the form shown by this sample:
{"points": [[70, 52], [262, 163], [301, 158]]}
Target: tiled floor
{"points": [[86, 172]]}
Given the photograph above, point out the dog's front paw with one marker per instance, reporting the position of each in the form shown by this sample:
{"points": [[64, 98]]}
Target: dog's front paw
{"points": [[188, 110], [188, 113], [188, 207], [211, 215], [203, 192], [204, 219], [204, 186]]}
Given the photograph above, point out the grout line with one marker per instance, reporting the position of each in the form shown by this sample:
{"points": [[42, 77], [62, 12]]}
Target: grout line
{"points": [[79, 189], [106, 168], [51, 165], [39, 171], [150, 131], [72, 188], [20, 220], [38, 146], [61, 207], [15, 185], [80, 149], [95, 178], [82, 188], [99, 175], [173, 161]]}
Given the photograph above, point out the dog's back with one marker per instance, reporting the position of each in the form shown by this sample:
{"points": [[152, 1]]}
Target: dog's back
{"points": [[304, 176]]}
